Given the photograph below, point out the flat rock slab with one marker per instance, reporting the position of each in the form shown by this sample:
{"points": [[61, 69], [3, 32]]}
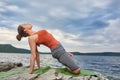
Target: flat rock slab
{"points": [[21, 77], [53, 75], [48, 73]]}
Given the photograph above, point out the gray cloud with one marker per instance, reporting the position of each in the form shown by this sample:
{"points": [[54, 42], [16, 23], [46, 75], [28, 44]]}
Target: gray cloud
{"points": [[85, 23]]}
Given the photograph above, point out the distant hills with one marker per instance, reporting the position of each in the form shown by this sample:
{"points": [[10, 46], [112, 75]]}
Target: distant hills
{"points": [[7, 48], [99, 53]]}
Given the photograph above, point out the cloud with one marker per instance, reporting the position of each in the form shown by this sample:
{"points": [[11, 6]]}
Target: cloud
{"points": [[112, 31], [81, 25], [15, 8], [105, 39], [2, 4], [52, 13], [64, 37], [9, 37]]}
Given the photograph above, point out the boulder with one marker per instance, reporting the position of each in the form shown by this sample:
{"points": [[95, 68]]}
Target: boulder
{"points": [[5, 66]]}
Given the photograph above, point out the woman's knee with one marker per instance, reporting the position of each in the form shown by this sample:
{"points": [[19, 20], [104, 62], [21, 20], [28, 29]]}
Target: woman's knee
{"points": [[76, 71]]}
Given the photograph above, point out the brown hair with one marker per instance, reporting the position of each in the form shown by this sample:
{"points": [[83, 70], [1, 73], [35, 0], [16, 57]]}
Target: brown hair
{"points": [[21, 33]]}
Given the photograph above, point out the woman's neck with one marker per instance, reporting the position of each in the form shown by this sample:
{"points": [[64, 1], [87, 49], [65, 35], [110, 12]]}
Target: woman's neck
{"points": [[31, 32]]}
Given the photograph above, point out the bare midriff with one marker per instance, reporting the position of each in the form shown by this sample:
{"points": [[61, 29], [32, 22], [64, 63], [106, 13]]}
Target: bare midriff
{"points": [[47, 39]]}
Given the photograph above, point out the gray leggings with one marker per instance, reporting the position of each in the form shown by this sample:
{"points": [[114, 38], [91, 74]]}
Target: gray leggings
{"points": [[62, 56]]}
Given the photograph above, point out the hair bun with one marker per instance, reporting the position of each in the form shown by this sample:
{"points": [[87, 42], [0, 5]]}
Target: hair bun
{"points": [[18, 37]]}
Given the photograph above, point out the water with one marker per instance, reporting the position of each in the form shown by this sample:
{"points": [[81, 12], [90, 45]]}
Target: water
{"points": [[107, 65]]}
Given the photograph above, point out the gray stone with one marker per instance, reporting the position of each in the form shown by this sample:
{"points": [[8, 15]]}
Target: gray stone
{"points": [[21, 77], [49, 75], [53, 75], [5, 66], [20, 68]]}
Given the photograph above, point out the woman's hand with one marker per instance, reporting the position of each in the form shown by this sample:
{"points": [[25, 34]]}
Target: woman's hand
{"points": [[36, 69], [30, 72], [70, 54]]}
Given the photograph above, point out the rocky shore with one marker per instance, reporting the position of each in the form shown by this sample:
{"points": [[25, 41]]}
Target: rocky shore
{"points": [[15, 71]]}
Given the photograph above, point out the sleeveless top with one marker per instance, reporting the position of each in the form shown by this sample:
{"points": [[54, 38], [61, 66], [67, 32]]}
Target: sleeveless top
{"points": [[47, 39]]}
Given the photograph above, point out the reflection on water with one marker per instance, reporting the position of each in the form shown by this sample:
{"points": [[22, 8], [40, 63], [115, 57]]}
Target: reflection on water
{"points": [[107, 65]]}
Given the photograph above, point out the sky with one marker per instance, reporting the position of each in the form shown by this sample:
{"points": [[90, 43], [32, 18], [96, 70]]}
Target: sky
{"points": [[80, 25]]}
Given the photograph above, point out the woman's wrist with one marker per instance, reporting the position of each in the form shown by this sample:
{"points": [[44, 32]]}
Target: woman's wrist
{"points": [[30, 72]]}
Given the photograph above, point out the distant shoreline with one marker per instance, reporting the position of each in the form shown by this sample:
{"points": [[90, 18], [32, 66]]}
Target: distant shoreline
{"points": [[8, 48], [81, 54]]}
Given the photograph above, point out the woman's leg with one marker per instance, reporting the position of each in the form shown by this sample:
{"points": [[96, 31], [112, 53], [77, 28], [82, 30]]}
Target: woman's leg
{"points": [[63, 57], [66, 60], [76, 71]]}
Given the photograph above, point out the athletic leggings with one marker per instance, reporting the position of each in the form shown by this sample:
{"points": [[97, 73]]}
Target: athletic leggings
{"points": [[62, 56]]}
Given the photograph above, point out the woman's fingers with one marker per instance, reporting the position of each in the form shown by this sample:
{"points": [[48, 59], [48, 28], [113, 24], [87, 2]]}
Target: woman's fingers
{"points": [[70, 54]]}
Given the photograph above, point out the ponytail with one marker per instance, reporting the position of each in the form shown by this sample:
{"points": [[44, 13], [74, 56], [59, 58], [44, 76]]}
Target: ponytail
{"points": [[21, 33], [18, 37]]}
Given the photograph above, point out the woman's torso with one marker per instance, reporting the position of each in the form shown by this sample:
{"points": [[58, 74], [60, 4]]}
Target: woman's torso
{"points": [[46, 39]]}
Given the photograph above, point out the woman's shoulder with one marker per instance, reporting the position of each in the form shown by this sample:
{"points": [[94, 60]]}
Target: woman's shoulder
{"points": [[42, 31], [33, 37]]}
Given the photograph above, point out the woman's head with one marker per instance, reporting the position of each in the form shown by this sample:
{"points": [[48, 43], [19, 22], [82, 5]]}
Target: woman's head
{"points": [[23, 31]]}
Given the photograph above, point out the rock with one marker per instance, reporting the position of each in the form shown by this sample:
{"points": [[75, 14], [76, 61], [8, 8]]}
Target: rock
{"points": [[18, 64], [53, 75], [20, 68], [21, 73], [5, 66], [21, 77]]}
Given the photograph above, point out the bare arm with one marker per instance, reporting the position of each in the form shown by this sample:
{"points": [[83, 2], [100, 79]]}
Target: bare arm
{"points": [[32, 45], [37, 58]]}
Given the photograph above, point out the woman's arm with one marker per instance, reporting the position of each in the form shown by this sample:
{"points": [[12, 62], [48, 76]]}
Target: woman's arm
{"points": [[32, 44], [37, 58]]}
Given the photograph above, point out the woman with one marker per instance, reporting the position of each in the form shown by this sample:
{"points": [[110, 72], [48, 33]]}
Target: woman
{"points": [[45, 38]]}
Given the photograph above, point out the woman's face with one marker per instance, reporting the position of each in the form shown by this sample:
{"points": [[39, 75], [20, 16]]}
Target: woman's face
{"points": [[27, 27]]}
